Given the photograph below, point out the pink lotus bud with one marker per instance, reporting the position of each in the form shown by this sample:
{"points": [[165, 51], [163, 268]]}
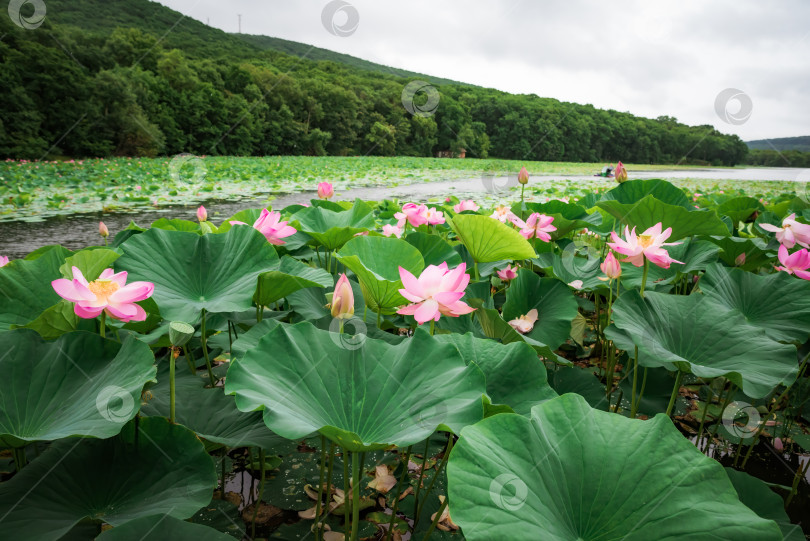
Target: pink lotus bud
{"points": [[102, 230], [611, 267], [621, 173], [778, 445], [523, 176], [202, 214], [343, 299], [3, 260], [325, 190], [740, 260]]}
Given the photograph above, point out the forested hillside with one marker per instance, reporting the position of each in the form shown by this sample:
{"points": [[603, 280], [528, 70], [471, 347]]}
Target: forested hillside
{"points": [[102, 78]]}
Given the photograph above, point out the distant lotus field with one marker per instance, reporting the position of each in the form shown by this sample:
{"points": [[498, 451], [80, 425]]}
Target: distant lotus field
{"points": [[624, 362]]}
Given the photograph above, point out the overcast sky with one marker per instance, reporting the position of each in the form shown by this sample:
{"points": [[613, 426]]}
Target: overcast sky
{"points": [[648, 57]]}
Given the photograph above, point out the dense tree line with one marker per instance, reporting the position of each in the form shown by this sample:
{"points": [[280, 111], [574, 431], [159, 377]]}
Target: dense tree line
{"points": [[70, 92], [778, 158]]}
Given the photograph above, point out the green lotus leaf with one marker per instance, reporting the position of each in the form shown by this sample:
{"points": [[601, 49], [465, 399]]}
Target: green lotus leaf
{"points": [[494, 326], [549, 477], [649, 211], [434, 249], [332, 229], [376, 261], [739, 209], [567, 216], [755, 250], [290, 276], [764, 502], [155, 468], [54, 321], [697, 334], [635, 190], [160, 528], [515, 376], [555, 304], [192, 272], [490, 240], [208, 412], [25, 287], [79, 385], [779, 303], [177, 224], [90, 261], [364, 395]]}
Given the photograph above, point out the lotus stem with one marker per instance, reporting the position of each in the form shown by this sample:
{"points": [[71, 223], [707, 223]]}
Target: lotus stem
{"points": [[19, 457], [703, 416], [320, 490], [421, 475], [222, 468], [641, 391], [475, 271], [191, 366], [800, 474], [329, 475], [171, 385], [340, 329], [259, 307], [102, 326], [644, 276], [618, 402], [356, 476], [433, 524], [230, 338], [729, 395], [635, 381], [346, 490], [439, 470], [261, 493], [675, 389], [204, 341], [402, 477], [432, 326]]}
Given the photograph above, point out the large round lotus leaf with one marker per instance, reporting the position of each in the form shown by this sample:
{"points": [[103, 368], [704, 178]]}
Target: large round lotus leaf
{"points": [[764, 502], [434, 249], [25, 287], [363, 395], [555, 304], [208, 412], [161, 528], [91, 261], [567, 216], [79, 385], [515, 376], [739, 209], [490, 240], [649, 211], [157, 469], [574, 473], [697, 334], [332, 229], [779, 303], [636, 190], [192, 272], [290, 276], [755, 250], [376, 261]]}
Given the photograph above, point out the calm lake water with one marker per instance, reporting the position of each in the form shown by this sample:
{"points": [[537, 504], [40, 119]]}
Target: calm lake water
{"points": [[79, 230]]}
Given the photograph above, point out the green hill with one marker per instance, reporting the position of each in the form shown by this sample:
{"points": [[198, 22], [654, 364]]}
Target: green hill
{"points": [[133, 77], [783, 143]]}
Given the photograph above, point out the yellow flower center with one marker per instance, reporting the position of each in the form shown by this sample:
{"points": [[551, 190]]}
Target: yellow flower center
{"points": [[103, 288], [645, 240]]}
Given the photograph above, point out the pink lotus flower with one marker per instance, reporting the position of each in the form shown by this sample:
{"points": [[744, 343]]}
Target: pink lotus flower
{"points": [[611, 267], [394, 230], [343, 299], [268, 225], [110, 294], [504, 214], [576, 284], [468, 204], [523, 175], [202, 214], [413, 213], [434, 217], [647, 245], [3, 260], [796, 263], [621, 173], [507, 274], [740, 260], [778, 445], [538, 225], [435, 293], [325, 190], [524, 324], [102, 230], [791, 233]]}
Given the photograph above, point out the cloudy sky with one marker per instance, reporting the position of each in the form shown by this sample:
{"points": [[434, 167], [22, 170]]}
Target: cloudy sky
{"points": [[650, 58]]}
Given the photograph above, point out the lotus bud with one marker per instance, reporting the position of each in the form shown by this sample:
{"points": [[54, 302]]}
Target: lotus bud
{"points": [[740, 260], [3, 260], [343, 299], [180, 333], [621, 173], [202, 214], [102, 230], [778, 445], [325, 190], [611, 267], [523, 176]]}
